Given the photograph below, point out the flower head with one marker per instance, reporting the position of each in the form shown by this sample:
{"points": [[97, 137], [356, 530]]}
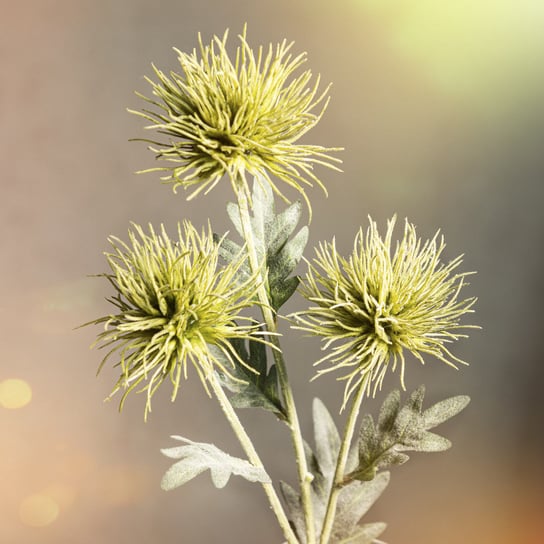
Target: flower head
{"points": [[174, 308], [374, 305], [222, 117]]}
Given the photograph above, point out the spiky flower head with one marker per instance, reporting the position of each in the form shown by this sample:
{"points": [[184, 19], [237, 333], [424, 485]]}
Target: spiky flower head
{"points": [[175, 308], [382, 301], [223, 117]]}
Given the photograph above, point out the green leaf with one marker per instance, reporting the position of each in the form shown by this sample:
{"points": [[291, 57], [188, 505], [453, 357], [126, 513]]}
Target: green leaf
{"points": [[402, 429], [283, 226], [430, 442], [367, 440], [254, 385], [389, 411], [282, 291], [444, 410], [354, 501], [196, 457], [282, 263], [294, 509], [327, 439], [275, 241]]}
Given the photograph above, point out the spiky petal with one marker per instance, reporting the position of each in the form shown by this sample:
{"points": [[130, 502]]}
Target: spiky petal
{"points": [[175, 308], [222, 117], [382, 301]]}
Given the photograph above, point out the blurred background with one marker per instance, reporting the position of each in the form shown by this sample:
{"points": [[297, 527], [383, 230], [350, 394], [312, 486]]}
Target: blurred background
{"points": [[439, 108]]}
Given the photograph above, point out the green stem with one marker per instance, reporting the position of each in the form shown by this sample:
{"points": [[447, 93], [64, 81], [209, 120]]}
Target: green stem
{"points": [[304, 475], [253, 456], [341, 465]]}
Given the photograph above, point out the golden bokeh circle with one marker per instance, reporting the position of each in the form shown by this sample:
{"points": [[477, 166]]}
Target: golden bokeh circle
{"points": [[38, 510], [15, 393]]}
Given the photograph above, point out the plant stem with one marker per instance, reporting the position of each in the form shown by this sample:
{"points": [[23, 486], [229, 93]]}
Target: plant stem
{"points": [[305, 477], [253, 456], [341, 464]]}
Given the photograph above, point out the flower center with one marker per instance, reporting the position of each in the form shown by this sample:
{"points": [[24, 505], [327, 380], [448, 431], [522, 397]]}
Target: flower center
{"points": [[385, 326]]}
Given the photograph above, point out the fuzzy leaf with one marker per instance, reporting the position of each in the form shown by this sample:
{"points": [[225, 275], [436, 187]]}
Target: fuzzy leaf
{"points": [[354, 502], [196, 457], [257, 388], [282, 263], [431, 442], [389, 411], [367, 439], [294, 510], [327, 439], [263, 209], [402, 429], [271, 233], [282, 291], [283, 226], [444, 410], [365, 534], [234, 215]]}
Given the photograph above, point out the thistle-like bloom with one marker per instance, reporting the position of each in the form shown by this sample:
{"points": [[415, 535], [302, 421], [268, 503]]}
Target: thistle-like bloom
{"points": [[174, 308], [377, 303], [221, 117]]}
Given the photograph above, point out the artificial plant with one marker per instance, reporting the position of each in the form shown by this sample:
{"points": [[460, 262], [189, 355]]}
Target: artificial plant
{"points": [[183, 302]]}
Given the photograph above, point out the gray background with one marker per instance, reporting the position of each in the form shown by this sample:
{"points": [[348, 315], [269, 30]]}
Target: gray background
{"points": [[439, 107]]}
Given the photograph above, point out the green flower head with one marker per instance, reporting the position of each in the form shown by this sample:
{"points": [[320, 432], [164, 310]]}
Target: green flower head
{"points": [[222, 117], [174, 308], [374, 305]]}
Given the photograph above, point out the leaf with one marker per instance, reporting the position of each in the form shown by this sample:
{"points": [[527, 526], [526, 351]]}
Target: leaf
{"points": [[431, 442], [282, 291], [389, 411], [254, 386], [234, 215], [196, 457], [402, 429], [294, 509], [283, 226], [282, 263], [327, 439], [275, 241], [366, 534], [444, 410], [354, 502], [354, 499]]}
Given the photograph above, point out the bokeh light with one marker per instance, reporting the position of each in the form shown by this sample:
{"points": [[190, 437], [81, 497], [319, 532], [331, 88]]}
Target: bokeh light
{"points": [[15, 393], [472, 48], [38, 510]]}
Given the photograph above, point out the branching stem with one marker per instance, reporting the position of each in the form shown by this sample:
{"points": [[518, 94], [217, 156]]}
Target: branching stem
{"points": [[304, 476]]}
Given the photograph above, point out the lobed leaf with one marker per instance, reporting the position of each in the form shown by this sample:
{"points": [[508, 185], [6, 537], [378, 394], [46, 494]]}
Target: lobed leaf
{"points": [[354, 502], [354, 499], [283, 226], [271, 233], [254, 385], [197, 457], [401, 429]]}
